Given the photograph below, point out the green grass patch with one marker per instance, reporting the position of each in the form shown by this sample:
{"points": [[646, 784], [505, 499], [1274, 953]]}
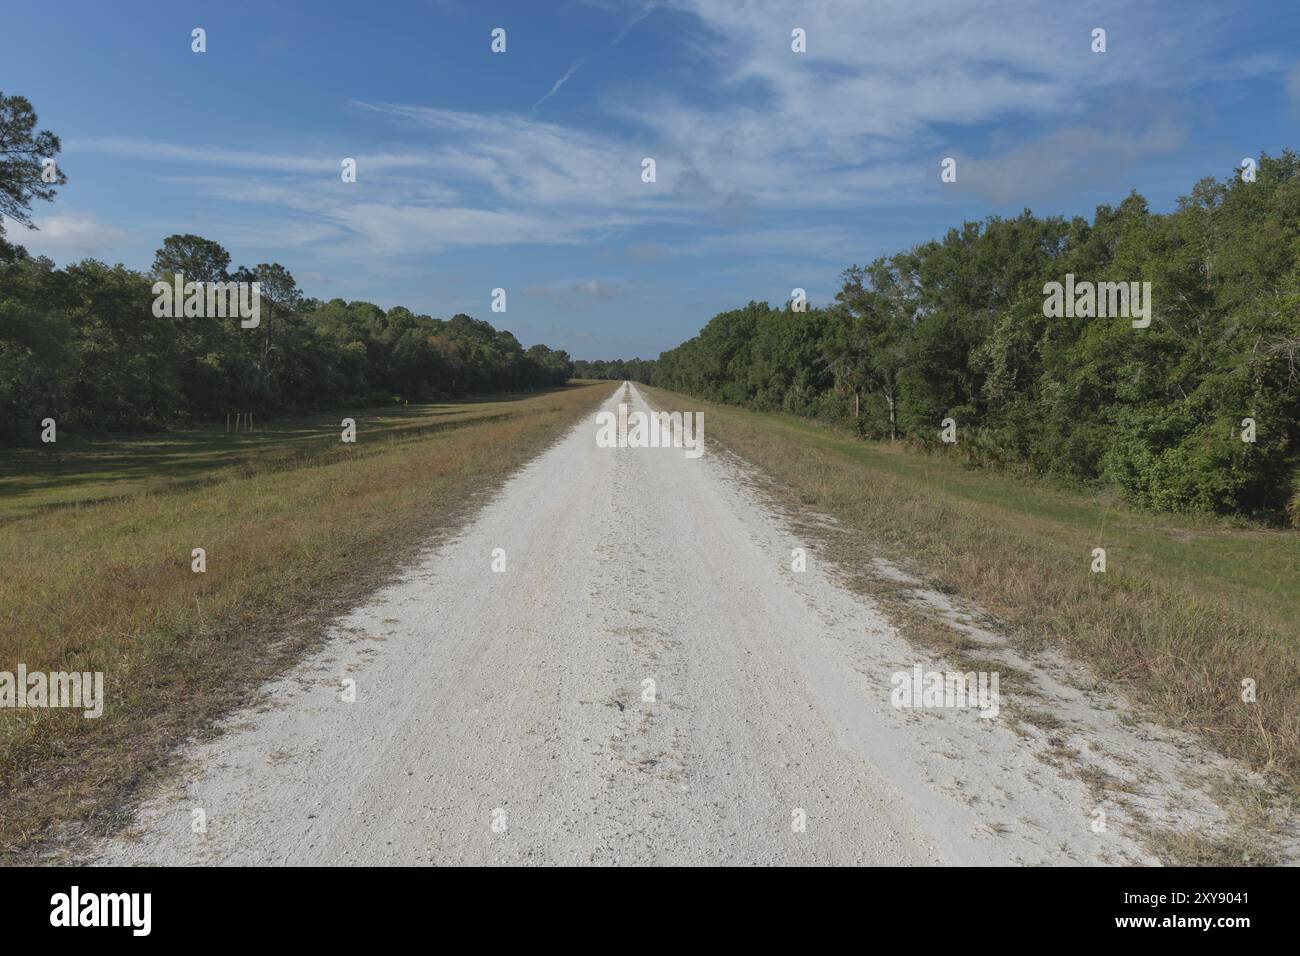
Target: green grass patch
{"points": [[77, 470]]}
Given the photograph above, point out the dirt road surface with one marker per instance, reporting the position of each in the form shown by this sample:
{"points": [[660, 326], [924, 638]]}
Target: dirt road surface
{"points": [[505, 716]]}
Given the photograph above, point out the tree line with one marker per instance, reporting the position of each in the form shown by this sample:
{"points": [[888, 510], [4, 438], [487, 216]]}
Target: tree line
{"points": [[82, 345], [615, 369], [955, 329]]}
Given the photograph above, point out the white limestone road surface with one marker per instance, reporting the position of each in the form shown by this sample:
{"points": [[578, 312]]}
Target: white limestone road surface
{"points": [[502, 717]]}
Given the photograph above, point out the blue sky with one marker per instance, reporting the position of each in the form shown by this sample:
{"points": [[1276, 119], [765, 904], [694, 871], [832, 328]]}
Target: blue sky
{"points": [[522, 170]]}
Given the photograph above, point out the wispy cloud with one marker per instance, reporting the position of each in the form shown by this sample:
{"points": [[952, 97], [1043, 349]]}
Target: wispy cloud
{"points": [[532, 162], [221, 156]]}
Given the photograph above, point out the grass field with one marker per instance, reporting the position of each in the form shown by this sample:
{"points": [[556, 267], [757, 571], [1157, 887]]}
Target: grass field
{"points": [[95, 575], [85, 471], [1186, 610]]}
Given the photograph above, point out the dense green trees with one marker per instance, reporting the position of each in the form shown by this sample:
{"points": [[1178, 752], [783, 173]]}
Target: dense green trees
{"points": [[82, 345], [618, 369], [955, 328]]}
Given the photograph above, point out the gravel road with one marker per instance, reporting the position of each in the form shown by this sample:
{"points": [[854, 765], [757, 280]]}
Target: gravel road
{"points": [[505, 716]]}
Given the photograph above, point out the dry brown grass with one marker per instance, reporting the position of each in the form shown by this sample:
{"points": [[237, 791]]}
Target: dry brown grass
{"points": [[108, 587]]}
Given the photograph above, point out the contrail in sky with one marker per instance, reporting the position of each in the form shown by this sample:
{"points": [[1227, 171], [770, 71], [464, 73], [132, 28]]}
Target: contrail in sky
{"points": [[578, 65]]}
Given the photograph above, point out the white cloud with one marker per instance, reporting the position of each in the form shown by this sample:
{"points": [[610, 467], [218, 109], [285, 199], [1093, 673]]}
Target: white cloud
{"points": [[529, 161], [861, 116], [64, 237]]}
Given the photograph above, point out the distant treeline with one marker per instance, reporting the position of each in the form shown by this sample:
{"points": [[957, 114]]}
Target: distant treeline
{"points": [[955, 329], [617, 369], [82, 345]]}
